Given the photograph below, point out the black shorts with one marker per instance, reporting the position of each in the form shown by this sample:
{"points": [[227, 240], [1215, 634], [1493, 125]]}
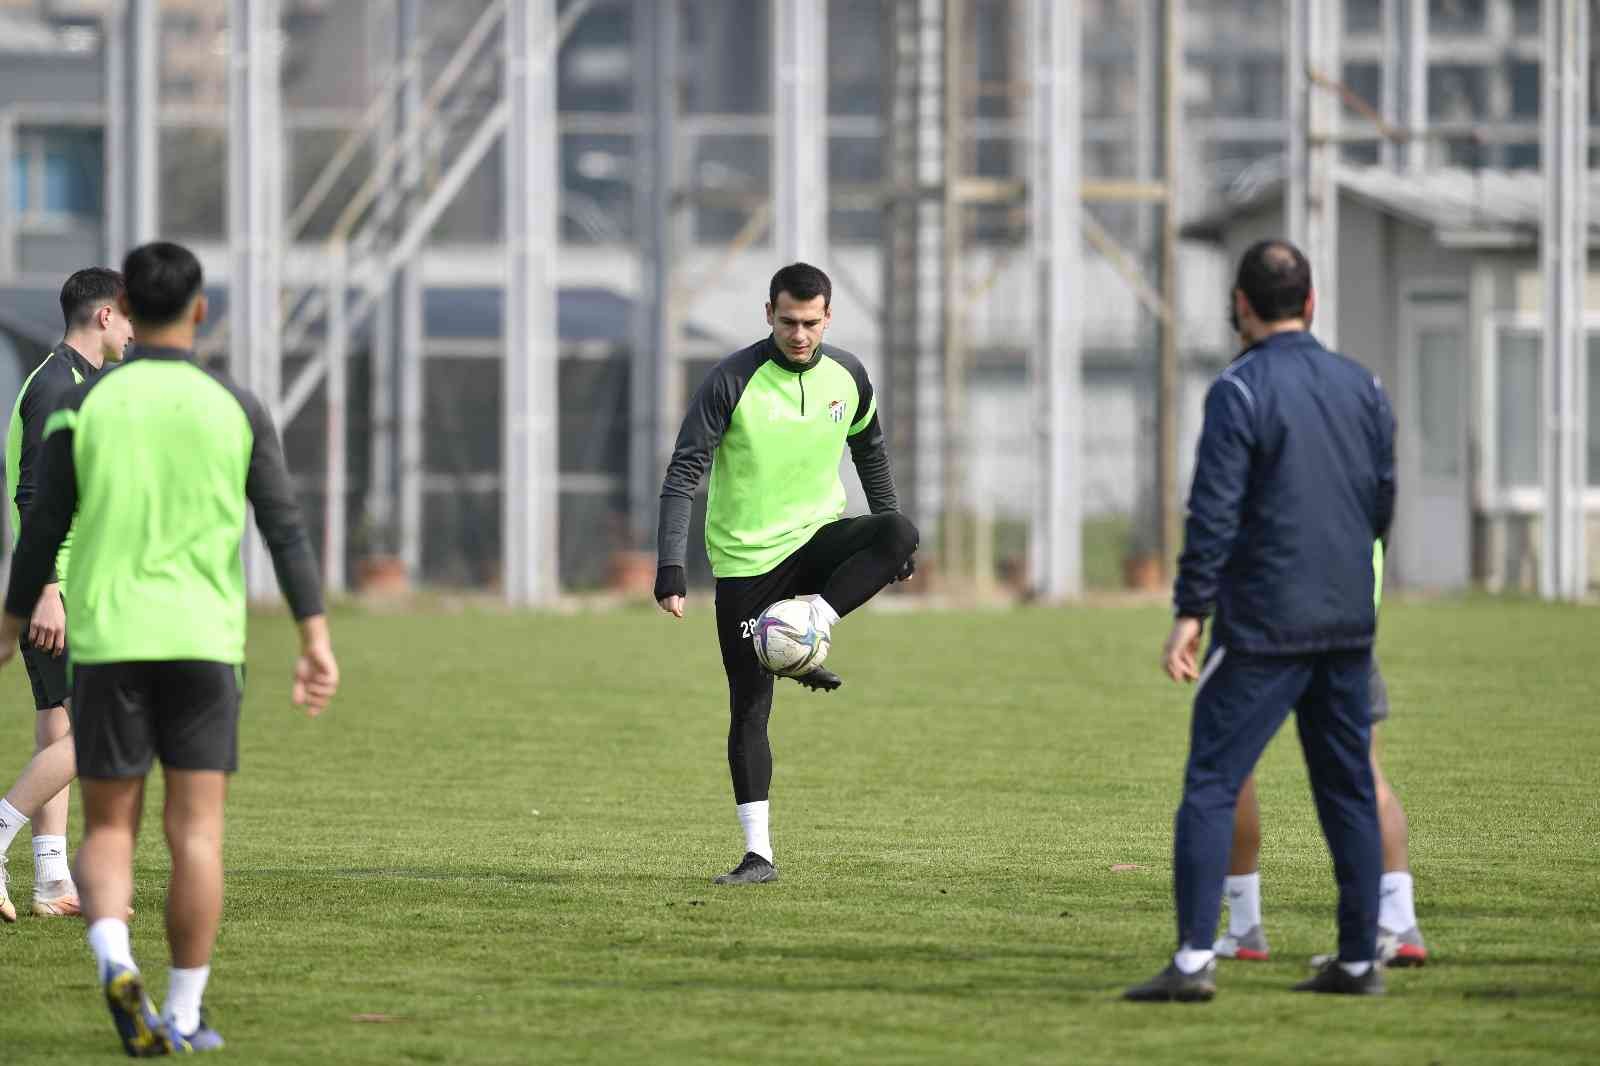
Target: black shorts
{"points": [[740, 600], [47, 674], [124, 715]]}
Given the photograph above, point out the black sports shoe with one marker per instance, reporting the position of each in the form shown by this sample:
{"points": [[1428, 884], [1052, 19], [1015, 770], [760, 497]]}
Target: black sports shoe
{"points": [[752, 870], [1334, 979], [819, 679], [1172, 985]]}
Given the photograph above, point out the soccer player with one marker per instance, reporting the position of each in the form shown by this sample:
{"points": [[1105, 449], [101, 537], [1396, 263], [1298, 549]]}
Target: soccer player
{"points": [[97, 332], [1399, 939], [159, 458], [771, 422], [1293, 481]]}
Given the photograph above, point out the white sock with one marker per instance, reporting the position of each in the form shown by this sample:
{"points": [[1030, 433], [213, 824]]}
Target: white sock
{"points": [[1355, 969], [1396, 910], [825, 611], [50, 860], [108, 939], [753, 817], [1244, 902], [184, 989], [1193, 960], [11, 823]]}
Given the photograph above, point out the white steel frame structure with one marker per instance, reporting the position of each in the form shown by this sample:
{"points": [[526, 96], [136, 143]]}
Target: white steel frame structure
{"points": [[1564, 256]]}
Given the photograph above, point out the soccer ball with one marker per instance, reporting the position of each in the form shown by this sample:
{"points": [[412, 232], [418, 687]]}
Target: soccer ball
{"points": [[788, 640]]}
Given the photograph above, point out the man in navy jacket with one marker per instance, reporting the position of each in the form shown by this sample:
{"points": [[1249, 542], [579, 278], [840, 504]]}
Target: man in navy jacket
{"points": [[1293, 481]]}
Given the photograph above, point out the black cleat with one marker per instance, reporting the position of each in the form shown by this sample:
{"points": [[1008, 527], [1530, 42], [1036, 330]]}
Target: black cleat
{"points": [[1172, 985], [819, 679], [752, 870], [1334, 979]]}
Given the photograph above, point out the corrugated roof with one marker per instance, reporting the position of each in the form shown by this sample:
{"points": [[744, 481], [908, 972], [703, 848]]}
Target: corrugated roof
{"points": [[1463, 208]]}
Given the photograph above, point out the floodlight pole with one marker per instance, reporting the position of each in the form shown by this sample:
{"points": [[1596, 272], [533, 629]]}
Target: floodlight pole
{"points": [[1056, 544], [255, 224], [132, 126], [529, 488], [656, 96], [1563, 251], [411, 332], [1312, 201], [800, 130]]}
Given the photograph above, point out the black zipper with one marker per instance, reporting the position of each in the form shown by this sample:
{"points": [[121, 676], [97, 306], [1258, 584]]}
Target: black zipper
{"points": [[802, 394]]}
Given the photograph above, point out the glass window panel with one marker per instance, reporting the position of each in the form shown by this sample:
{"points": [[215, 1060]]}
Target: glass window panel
{"points": [[1517, 409], [597, 188], [1457, 92], [732, 179], [72, 173], [1363, 16], [1438, 404], [855, 209], [855, 57], [1522, 156], [1525, 88], [1457, 16], [1526, 16], [19, 183], [310, 150], [726, 60], [194, 166], [598, 61], [1366, 81]]}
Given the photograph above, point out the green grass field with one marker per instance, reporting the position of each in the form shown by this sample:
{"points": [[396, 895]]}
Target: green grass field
{"points": [[499, 842]]}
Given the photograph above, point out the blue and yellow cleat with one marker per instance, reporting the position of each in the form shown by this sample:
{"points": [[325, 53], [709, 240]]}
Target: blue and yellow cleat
{"points": [[141, 1030], [204, 1038]]}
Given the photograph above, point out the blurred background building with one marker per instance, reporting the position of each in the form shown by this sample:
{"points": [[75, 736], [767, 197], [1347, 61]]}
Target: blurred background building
{"points": [[1030, 210]]}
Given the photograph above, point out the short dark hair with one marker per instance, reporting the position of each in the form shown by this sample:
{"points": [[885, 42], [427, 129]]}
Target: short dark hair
{"points": [[162, 278], [85, 292], [802, 281], [1275, 279]]}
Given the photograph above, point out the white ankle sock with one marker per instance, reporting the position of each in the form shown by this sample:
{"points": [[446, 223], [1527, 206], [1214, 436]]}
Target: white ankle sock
{"points": [[184, 989], [50, 860], [825, 611], [1244, 902], [11, 823], [108, 939], [1396, 910], [753, 817], [1355, 969], [1193, 960]]}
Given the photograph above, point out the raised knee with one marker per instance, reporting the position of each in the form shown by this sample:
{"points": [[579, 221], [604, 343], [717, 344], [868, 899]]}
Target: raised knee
{"points": [[900, 533]]}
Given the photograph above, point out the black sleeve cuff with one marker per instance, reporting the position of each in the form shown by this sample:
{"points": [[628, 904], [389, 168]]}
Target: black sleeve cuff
{"points": [[670, 582]]}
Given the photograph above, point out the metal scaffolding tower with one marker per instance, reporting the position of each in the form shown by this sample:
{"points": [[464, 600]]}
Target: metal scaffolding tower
{"points": [[1564, 254], [529, 487]]}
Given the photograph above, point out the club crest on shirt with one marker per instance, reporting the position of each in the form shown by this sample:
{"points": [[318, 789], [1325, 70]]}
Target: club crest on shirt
{"points": [[836, 410]]}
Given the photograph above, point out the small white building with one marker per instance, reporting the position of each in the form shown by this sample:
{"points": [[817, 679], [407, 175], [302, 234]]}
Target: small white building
{"points": [[1439, 292]]}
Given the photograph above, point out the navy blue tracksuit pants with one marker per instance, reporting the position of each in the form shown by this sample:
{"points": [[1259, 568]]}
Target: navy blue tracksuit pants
{"points": [[1241, 701]]}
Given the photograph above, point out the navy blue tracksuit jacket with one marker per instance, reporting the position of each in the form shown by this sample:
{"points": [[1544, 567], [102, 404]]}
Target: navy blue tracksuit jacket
{"points": [[1293, 482]]}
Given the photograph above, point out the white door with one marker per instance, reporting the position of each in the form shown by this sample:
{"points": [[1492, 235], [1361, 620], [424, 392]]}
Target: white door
{"points": [[1431, 542]]}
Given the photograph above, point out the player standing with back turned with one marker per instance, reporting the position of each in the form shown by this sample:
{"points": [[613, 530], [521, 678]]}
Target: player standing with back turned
{"points": [[159, 459], [771, 422], [1293, 481]]}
